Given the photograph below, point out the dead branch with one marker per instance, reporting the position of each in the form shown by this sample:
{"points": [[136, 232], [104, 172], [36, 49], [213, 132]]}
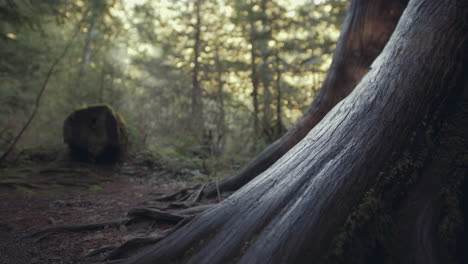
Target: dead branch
{"points": [[197, 195]]}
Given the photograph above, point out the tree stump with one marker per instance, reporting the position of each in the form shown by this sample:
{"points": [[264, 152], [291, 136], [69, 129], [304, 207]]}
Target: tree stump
{"points": [[95, 134]]}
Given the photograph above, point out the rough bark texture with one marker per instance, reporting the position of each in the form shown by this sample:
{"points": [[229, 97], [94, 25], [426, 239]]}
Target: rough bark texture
{"points": [[329, 189], [367, 28]]}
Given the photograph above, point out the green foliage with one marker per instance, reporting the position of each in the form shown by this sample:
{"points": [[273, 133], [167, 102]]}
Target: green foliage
{"points": [[139, 59]]}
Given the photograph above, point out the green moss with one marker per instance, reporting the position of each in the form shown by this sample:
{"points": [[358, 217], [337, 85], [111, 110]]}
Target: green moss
{"points": [[86, 106], [370, 220], [191, 251], [452, 222]]}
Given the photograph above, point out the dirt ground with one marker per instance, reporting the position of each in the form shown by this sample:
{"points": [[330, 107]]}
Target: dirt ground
{"points": [[34, 197]]}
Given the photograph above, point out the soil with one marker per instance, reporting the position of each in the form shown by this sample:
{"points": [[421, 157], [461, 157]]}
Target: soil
{"points": [[38, 195]]}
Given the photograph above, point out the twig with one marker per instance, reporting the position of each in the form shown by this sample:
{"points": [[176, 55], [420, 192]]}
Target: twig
{"points": [[197, 195]]}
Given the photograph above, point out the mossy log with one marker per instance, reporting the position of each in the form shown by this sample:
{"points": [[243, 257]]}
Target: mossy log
{"points": [[96, 134]]}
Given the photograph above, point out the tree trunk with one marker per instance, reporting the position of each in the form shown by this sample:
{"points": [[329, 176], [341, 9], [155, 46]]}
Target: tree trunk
{"points": [[197, 93], [102, 84], [87, 49], [279, 122], [254, 78], [221, 122], [344, 184], [267, 101], [367, 28]]}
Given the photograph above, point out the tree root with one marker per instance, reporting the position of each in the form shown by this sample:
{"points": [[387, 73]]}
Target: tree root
{"points": [[180, 195], [18, 184], [168, 217], [134, 215], [197, 195], [120, 252], [156, 214], [195, 210], [76, 228], [133, 244], [99, 251], [179, 214]]}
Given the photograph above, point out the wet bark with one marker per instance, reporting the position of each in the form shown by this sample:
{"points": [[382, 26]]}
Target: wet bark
{"points": [[330, 189], [366, 30]]}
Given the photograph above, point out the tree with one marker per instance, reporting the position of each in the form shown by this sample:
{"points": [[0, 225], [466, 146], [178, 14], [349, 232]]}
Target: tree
{"points": [[390, 157], [197, 91], [367, 28], [272, 27]]}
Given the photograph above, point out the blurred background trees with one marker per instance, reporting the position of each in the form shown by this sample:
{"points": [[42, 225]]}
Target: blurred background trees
{"points": [[215, 78]]}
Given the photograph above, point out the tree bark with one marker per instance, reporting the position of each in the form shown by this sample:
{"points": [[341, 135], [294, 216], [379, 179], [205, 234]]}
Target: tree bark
{"points": [[366, 30], [326, 194]]}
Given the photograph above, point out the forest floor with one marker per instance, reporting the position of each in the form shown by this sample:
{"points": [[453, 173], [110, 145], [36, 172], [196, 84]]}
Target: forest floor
{"points": [[39, 194]]}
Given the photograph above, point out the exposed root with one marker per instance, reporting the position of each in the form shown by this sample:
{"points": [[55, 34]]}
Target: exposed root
{"points": [[180, 195], [132, 244], [137, 243], [197, 195], [175, 214], [178, 205], [77, 228], [18, 184], [196, 209], [217, 191], [156, 214], [99, 251]]}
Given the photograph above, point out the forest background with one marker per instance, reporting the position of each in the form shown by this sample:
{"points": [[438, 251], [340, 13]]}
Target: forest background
{"points": [[202, 85]]}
